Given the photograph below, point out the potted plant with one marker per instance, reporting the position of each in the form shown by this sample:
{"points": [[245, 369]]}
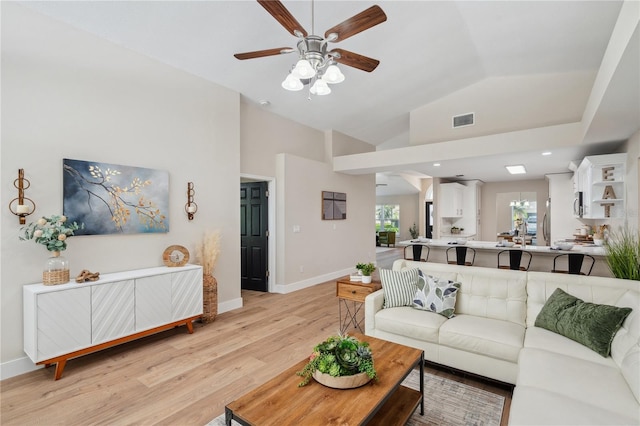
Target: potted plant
{"points": [[52, 232], [456, 230], [413, 231], [341, 362], [366, 269], [622, 252]]}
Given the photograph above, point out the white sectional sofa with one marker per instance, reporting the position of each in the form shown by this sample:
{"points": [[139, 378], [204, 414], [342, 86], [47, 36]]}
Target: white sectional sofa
{"points": [[557, 380]]}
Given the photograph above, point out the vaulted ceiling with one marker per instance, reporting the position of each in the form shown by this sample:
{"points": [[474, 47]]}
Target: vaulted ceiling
{"points": [[428, 50]]}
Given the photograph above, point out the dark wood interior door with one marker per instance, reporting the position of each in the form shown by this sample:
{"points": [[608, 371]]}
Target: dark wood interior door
{"points": [[254, 235]]}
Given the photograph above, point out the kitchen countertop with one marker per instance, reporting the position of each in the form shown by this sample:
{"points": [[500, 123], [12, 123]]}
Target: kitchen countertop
{"points": [[493, 246]]}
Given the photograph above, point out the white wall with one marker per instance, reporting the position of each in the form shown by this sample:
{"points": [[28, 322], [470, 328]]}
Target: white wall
{"points": [[504, 104], [341, 144], [633, 180], [67, 94], [265, 134], [323, 249]]}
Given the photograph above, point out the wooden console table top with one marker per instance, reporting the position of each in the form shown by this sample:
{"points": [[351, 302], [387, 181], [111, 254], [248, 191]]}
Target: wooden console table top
{"points": [[281, 402]]}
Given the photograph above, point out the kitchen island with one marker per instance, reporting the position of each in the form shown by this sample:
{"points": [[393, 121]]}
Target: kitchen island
{"points": [[487, 254]]}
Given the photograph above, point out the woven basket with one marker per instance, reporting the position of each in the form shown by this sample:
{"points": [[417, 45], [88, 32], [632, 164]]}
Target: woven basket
{"points": [[59, 276], [210, 298]]}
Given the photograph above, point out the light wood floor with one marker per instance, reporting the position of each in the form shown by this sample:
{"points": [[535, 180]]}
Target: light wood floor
{"points": [[175, 378]]}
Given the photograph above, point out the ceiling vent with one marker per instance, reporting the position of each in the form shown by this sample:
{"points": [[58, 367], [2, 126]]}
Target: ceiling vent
{"points": [[464, 120]]}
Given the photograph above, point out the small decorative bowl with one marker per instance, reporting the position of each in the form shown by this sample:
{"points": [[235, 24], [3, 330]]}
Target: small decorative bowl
{"points": [[564, 245], [461, 241], [508, 243]]}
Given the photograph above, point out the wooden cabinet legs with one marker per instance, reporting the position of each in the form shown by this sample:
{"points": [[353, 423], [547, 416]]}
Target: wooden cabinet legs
{"points": [[61, 361]]}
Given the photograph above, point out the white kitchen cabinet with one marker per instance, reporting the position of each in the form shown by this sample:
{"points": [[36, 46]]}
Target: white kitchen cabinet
{"points": [[451, 200], [69, 320], [601, 180]]}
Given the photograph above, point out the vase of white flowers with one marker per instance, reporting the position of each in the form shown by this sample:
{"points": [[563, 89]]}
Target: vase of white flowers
{"points": [[52, 232]]}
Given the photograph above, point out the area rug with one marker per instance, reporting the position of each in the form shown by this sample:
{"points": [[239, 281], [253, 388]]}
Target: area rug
{"points": [[446, 403]]}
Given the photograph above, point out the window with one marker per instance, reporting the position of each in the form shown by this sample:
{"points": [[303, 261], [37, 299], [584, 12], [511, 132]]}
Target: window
{"points": [[388, 217]]}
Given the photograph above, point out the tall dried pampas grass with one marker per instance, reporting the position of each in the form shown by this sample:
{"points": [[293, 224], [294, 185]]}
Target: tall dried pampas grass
{"points": [[208, 251]]}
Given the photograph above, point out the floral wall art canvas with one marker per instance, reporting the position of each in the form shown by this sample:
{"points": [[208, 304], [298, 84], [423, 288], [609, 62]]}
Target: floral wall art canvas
{"points": [[115, 199]]}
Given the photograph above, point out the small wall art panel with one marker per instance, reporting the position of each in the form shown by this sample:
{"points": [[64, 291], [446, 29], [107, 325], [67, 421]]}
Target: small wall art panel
{"points": [[115, 199], [334, 205]]}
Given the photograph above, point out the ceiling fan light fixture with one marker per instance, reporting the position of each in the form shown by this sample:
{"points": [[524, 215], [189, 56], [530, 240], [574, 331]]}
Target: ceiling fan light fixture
{"points": [[320, 88], [291, 83], [333, 75], [303, 70]]}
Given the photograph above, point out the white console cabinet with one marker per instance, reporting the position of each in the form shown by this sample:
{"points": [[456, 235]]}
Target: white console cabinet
{"points": [[69, 320]]}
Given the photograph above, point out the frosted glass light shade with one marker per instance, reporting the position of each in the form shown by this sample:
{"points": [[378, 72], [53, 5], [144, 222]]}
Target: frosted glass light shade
{"points": [[320, 88], [303, 70], [291, 83], [333, 75]]}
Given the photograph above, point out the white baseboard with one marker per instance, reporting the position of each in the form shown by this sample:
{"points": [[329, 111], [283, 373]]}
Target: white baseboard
{"points": [[16, 367], [230, 305], [310, 282]]}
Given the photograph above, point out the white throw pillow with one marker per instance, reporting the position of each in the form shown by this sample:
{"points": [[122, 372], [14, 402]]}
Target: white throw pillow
{"points": [[436, 295]]}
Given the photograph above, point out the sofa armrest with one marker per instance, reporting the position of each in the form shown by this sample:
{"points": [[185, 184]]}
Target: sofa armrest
{"points": [[372, 304]]}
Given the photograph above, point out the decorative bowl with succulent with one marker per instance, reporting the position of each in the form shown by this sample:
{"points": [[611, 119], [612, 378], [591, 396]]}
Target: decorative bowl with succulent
{"points": [[339, 356]]}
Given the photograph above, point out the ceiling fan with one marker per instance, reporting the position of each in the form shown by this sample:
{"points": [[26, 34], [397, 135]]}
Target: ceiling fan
{"points": [[316, 61]]}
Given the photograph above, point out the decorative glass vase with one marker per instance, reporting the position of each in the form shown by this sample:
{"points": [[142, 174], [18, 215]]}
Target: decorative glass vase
{"points": [[56, 270]]}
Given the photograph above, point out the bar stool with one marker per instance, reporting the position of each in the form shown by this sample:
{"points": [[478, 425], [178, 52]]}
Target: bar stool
{"points": [[416, 253], [574, 263], [516, 260], [461, 254]]}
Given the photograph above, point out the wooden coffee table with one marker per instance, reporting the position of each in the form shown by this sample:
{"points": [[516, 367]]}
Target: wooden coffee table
{"points": [[383, 402]]}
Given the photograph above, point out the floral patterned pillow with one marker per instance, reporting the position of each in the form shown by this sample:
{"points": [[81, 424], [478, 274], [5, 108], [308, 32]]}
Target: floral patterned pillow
{"points": [[436, 295]]}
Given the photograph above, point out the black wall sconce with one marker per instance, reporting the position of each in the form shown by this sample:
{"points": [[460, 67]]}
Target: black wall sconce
{"points": [[22, 206], [191, 207]]}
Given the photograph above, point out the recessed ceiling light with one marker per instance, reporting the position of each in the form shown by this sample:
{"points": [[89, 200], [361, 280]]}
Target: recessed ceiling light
{"points": [[517, 169], [436, 164], [546, 153]]}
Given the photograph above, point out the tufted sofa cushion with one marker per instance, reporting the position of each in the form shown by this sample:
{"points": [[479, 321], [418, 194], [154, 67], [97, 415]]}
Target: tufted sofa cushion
{"points": [[483, 336], [486, 293]]}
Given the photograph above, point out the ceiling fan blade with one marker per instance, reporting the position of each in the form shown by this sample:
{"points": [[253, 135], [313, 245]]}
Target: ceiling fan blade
{"points": [[266, 52], [355, 60], [282, 15], [358, 23]]}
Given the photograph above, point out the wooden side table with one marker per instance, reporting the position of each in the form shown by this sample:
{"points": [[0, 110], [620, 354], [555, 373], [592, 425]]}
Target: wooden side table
{"points": [[351, 296]]}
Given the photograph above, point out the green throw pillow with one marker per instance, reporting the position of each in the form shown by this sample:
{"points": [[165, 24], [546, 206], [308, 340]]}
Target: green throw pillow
{"points": [[436, 295], [587, 323], [399, 287]]}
